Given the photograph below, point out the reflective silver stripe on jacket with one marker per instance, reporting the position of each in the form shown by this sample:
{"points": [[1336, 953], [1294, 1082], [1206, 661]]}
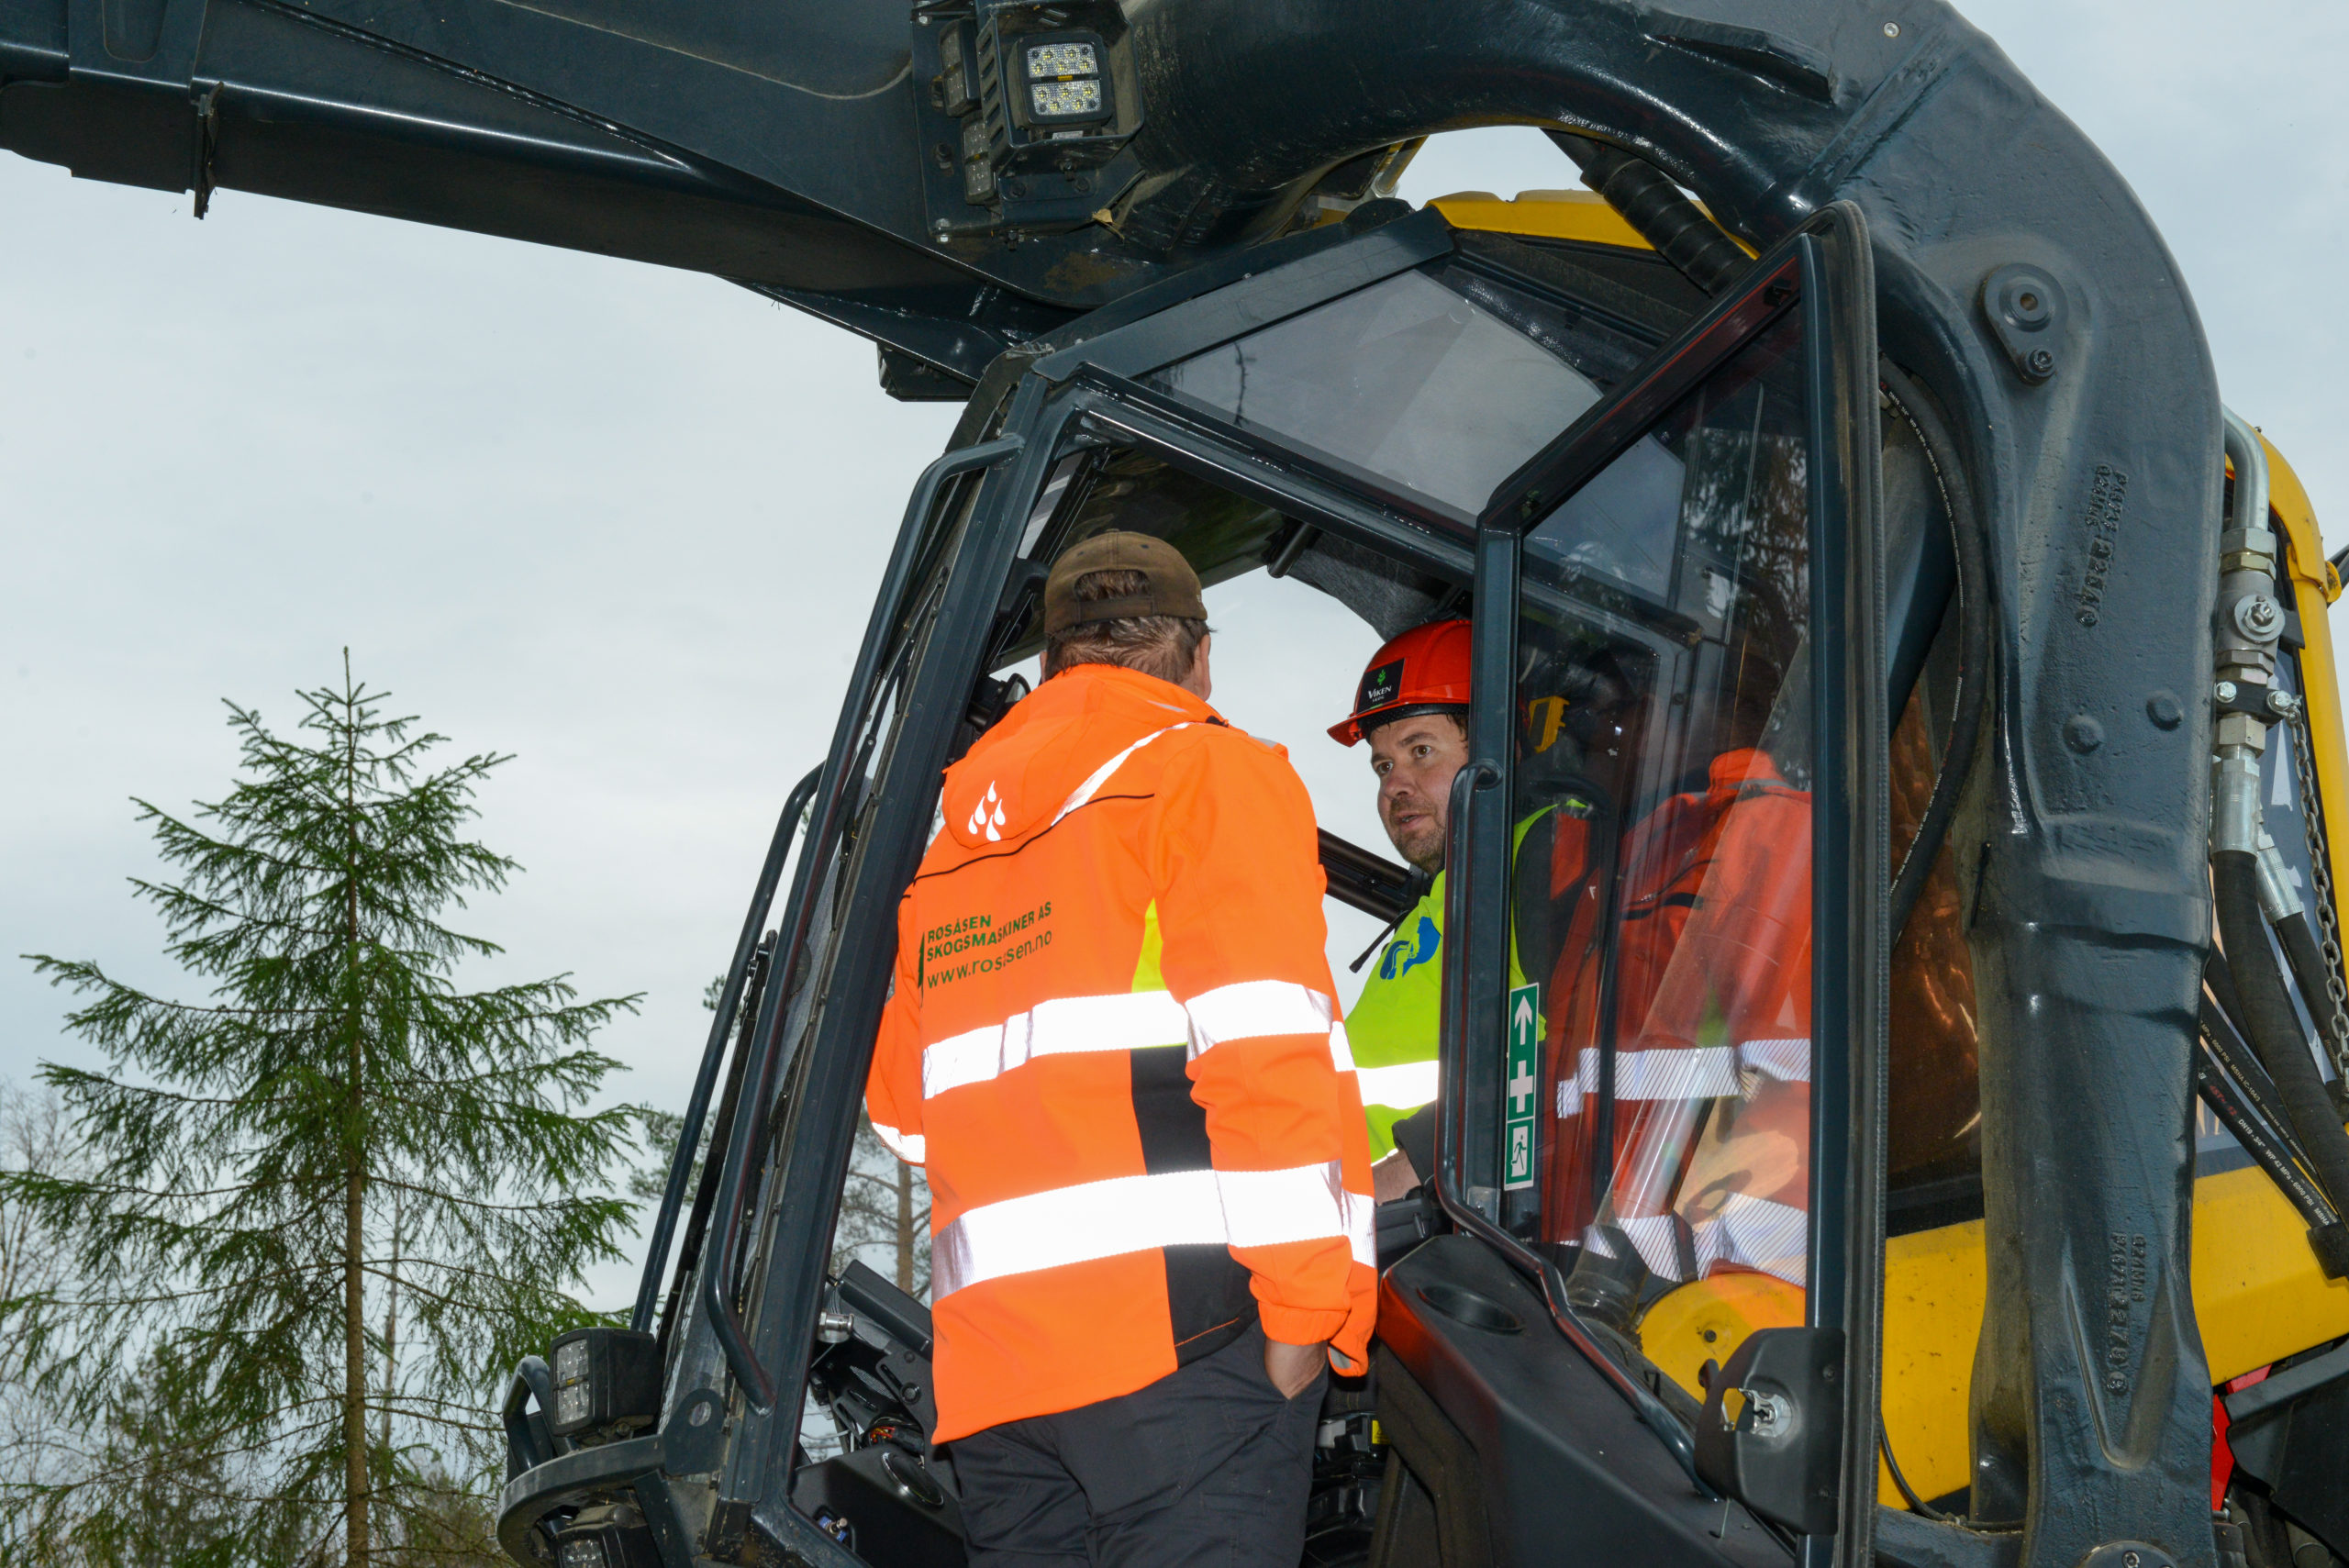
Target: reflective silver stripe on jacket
{"points": [[1133, 1020], [1405, 1087], [1687, 1073], [1125, 1021], [1753, 1232], [1100, 776], [1131, 1214], [911, 1147], [1251, 1009]]}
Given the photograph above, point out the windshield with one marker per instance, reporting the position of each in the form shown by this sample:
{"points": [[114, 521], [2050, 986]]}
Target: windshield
{"points": [[1441, 381]]}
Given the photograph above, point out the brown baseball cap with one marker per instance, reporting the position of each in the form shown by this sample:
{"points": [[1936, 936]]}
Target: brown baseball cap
{"points": [[1169, 585]]}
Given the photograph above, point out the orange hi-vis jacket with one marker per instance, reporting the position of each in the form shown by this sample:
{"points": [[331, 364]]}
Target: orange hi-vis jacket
{"points": [[1713, 993], [1114, 1042]]}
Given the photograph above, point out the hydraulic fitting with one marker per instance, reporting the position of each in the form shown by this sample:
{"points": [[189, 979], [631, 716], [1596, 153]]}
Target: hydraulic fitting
{"points": [[2259, 618]]}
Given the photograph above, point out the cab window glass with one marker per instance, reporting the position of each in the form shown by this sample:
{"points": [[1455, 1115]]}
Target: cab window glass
{"points": [[1657, 1102], [1441, 381]]}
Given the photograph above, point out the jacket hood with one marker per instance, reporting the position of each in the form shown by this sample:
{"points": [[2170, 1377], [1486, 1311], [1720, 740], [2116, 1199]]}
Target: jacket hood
{"points": [[1015, 781]]}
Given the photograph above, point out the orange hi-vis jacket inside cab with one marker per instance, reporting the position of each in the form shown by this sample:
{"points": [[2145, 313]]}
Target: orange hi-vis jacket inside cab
{"points": [[1114, 1042], [1713, 995]]}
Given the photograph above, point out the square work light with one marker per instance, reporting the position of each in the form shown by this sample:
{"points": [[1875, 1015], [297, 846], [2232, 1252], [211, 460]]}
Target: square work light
{"points": [[1061, 78], [604, 1380]]}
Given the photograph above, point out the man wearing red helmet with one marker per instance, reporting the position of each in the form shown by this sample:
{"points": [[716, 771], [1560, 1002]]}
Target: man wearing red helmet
{"points": [[1412, 708]]}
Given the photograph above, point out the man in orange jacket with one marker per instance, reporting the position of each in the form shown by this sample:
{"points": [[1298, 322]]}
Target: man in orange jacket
{"points": [[1114, 1042]]}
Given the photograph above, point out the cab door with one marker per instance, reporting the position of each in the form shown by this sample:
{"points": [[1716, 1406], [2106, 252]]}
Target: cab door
{"points": [[1663, 1027]]}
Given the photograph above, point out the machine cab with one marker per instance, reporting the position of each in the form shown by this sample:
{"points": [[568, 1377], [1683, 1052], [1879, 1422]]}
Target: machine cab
{"points": [[1708, 1197]]}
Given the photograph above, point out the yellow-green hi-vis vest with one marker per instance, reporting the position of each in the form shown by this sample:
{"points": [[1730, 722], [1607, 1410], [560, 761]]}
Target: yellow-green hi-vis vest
{"points": [[1396, 1023], [1393, 1026]]}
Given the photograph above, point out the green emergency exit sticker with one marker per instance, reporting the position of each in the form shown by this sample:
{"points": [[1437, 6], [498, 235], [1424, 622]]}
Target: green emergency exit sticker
{"points": [[1520, 1088]]}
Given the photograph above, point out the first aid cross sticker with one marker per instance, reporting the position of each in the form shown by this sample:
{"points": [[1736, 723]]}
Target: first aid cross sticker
{"points": [[1521, 1082]]}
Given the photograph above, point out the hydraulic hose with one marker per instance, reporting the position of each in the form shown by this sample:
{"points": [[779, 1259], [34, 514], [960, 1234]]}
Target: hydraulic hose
{"points": [[2219, 977], [2300, 951], [1972, 643], [2328, 1238], [2234, 1058], [1649, 201], [1917, 1505], [2271, 1024]]}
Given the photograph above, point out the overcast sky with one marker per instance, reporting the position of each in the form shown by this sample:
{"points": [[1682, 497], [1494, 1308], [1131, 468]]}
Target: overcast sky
{"points": [[625, 522]]}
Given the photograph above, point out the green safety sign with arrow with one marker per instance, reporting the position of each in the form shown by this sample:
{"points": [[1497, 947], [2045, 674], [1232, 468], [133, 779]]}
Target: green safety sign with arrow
{"points": [[1520, 1086]]}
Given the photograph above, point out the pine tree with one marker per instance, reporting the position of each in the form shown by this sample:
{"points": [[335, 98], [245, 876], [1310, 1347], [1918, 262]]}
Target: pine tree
{"points": [[337, 1123], [35, 1447]]}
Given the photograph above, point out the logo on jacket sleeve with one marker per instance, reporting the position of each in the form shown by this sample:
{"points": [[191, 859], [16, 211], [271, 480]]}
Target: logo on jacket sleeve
{"points": [[986, 816]]}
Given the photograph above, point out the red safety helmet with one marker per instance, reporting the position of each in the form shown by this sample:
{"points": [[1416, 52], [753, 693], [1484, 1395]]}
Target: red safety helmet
{"points": [[1426, 667]]}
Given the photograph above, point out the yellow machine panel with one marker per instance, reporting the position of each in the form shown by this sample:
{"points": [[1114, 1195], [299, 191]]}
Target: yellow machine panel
{"points": [[1546, 215], [2257, 1296]]}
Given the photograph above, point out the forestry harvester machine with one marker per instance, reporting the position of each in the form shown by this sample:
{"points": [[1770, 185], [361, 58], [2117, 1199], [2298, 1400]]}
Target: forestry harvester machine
{"points": [[1963, 1189]]}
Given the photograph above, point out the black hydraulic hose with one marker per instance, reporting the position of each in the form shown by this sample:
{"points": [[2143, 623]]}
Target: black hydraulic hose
{"points": [[2328, 1238], [1917, 1505], [2268, 1139], [1972, 643], [2309, 967], [2265, 1148], [2271, 1024], [1649, 201], [680, 1164], [2235, 1058], [2219, 976]]}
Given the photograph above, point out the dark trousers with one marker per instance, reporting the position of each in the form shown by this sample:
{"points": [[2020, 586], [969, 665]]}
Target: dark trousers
{"points": [[1209, 1467]]}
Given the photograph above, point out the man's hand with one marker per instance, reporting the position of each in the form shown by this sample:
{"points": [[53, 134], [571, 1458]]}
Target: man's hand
{"points": [[1292, 1368], [1392, 1177]]}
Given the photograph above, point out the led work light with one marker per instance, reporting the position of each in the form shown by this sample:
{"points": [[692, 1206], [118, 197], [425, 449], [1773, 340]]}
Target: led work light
{"points": [[608, 1535], [1063, 78], [606, 1381]]}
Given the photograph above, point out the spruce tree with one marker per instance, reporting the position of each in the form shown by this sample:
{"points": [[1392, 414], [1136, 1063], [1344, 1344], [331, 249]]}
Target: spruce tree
{"points": [[335, 1126]]}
